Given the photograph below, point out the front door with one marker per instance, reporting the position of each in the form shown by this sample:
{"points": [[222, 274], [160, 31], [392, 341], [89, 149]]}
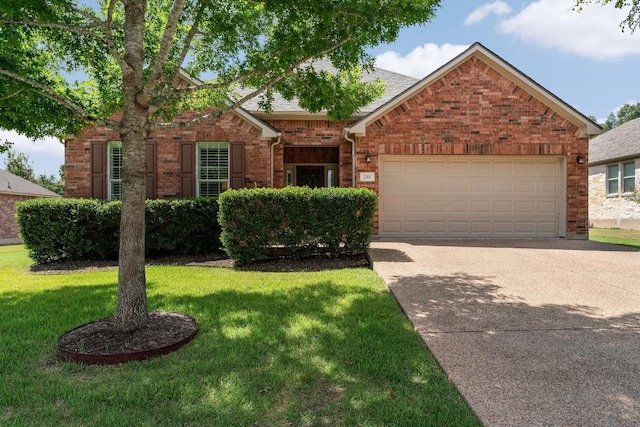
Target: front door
{"points": [[311, 176]]}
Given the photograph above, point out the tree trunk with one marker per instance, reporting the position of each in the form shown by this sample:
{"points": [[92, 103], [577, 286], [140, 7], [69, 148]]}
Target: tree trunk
{"points": [[131, 306]]}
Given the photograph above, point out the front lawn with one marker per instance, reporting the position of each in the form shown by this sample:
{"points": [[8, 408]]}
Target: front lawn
{"points": [[325, 348], [630, 238]]}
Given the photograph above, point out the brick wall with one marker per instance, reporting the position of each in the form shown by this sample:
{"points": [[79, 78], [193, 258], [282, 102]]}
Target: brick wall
{"points": [[8, 224], [228, 128], [474, 110]]}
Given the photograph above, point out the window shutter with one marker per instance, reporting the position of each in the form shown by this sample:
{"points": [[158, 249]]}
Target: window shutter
{"points": [[98, 172], [151, 170], [236, 164], [187, 170]]}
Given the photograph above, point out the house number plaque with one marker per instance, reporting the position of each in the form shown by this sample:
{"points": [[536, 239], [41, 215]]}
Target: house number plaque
{"points": [[367, 176]]}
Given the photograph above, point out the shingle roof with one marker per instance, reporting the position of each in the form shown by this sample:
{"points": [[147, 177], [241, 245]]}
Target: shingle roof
{"points": [[395, 84], [618, 143], [13, 184]]}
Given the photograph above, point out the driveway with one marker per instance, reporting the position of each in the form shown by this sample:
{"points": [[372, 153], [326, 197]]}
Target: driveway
{"points": [[531, 332]]}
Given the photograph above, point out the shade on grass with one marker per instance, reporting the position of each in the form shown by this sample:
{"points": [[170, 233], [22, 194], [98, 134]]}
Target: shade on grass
{"points": [[325, 348]]}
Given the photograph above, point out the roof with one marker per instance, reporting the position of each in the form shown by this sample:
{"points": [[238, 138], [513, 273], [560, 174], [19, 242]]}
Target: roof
{"points": [[13, 184], [395, 84], [621, 142], [586, 126]]}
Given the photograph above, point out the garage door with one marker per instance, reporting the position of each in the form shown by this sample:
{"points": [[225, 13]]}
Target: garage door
{"points": [[471, 196]]}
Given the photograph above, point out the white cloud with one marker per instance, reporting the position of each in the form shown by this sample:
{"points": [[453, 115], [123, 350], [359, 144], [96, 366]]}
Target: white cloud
{"points": [[46, 155], [421, 60], [593, 33], [498, 7]]}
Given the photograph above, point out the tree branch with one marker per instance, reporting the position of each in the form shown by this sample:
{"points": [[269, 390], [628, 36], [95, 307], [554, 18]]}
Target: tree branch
{"points": [[76, 29], [79, 111], [238, 103], [11, 95], [109, 36], [163, 52], [170, 91], [187, 45]]}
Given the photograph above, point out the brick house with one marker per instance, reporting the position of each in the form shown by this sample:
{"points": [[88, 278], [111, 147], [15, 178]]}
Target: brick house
{"points": [[475, 149], [14, 189], [614, 177]]}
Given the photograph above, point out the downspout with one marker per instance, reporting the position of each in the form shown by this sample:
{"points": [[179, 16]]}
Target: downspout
{"points": [[272, 155], [345, 135]]}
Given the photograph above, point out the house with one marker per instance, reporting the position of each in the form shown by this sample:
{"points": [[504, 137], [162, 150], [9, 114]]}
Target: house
{"points": [[14, 189], [614, 177], [475, 149]]}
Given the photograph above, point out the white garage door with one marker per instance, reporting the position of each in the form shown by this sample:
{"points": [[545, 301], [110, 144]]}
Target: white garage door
{"points": [[471, 196]]}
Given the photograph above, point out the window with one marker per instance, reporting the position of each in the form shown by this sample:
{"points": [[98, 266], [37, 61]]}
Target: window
{"points": [[213, 168], [628, 177], [621, 178], [115, 171]]}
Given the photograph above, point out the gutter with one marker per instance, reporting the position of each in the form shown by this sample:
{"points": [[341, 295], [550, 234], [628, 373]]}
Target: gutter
{"points": [[345, 135], [273, 144]]}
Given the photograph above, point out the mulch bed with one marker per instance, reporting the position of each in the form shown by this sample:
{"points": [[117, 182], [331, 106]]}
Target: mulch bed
{"points": [[314, 263], [101, 342]]}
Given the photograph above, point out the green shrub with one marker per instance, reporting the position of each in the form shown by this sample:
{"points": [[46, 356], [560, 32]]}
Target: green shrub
{"points": [[302, 221], [75, 229]]}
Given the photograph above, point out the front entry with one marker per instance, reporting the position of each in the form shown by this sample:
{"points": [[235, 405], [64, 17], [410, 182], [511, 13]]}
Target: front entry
{"points": [[310, 176], [311, 166]]}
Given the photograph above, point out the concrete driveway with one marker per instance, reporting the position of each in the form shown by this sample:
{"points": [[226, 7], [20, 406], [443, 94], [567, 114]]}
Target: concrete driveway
{"points": [[531, 332]]}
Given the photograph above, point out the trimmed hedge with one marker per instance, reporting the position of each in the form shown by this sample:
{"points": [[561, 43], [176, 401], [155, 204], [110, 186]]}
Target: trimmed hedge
{"points": [[76, 229], [302, 221]]}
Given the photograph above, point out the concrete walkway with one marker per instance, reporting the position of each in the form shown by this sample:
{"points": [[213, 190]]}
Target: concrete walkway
{"points": [[531, 332]]}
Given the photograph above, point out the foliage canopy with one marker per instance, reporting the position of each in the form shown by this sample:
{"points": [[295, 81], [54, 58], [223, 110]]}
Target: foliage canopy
{"points": [[133, 65]]}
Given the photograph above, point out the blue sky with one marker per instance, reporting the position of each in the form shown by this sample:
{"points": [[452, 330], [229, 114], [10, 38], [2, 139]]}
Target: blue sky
{"points": [[583, 58]]}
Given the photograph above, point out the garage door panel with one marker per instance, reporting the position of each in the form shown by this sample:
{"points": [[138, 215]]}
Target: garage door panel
{"points": [[470, 196], [481, 207], [434, 206], [503, 228], [549, 187], [503, 207], [548, 169], [459, 186], [550, 227], [503, 187], [481, 185], [458, 207], [413, 205], [525, 207], [525, 186], [549, 207]]}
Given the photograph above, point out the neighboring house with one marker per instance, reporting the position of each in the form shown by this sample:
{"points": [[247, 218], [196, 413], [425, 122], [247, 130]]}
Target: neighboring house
{"points": [[14, 189], [475, 149], [614, 177]]}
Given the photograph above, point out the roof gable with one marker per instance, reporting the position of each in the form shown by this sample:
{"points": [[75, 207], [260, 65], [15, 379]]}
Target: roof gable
{"points": [[619, 143], [506, 70], [13, 184]]}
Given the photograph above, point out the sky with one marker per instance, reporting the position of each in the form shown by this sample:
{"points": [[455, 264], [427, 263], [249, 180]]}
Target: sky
{"points": [[583, 58]]}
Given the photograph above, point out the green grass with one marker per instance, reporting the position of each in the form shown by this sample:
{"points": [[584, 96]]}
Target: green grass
{"points": [[274, 349], [629, 238]]}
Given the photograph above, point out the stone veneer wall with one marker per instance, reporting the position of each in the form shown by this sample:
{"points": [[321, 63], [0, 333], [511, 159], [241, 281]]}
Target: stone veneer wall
{"points": [[611, 211]]}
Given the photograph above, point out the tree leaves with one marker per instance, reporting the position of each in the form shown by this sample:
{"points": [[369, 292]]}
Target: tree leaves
{"points": [[256, 45]]}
